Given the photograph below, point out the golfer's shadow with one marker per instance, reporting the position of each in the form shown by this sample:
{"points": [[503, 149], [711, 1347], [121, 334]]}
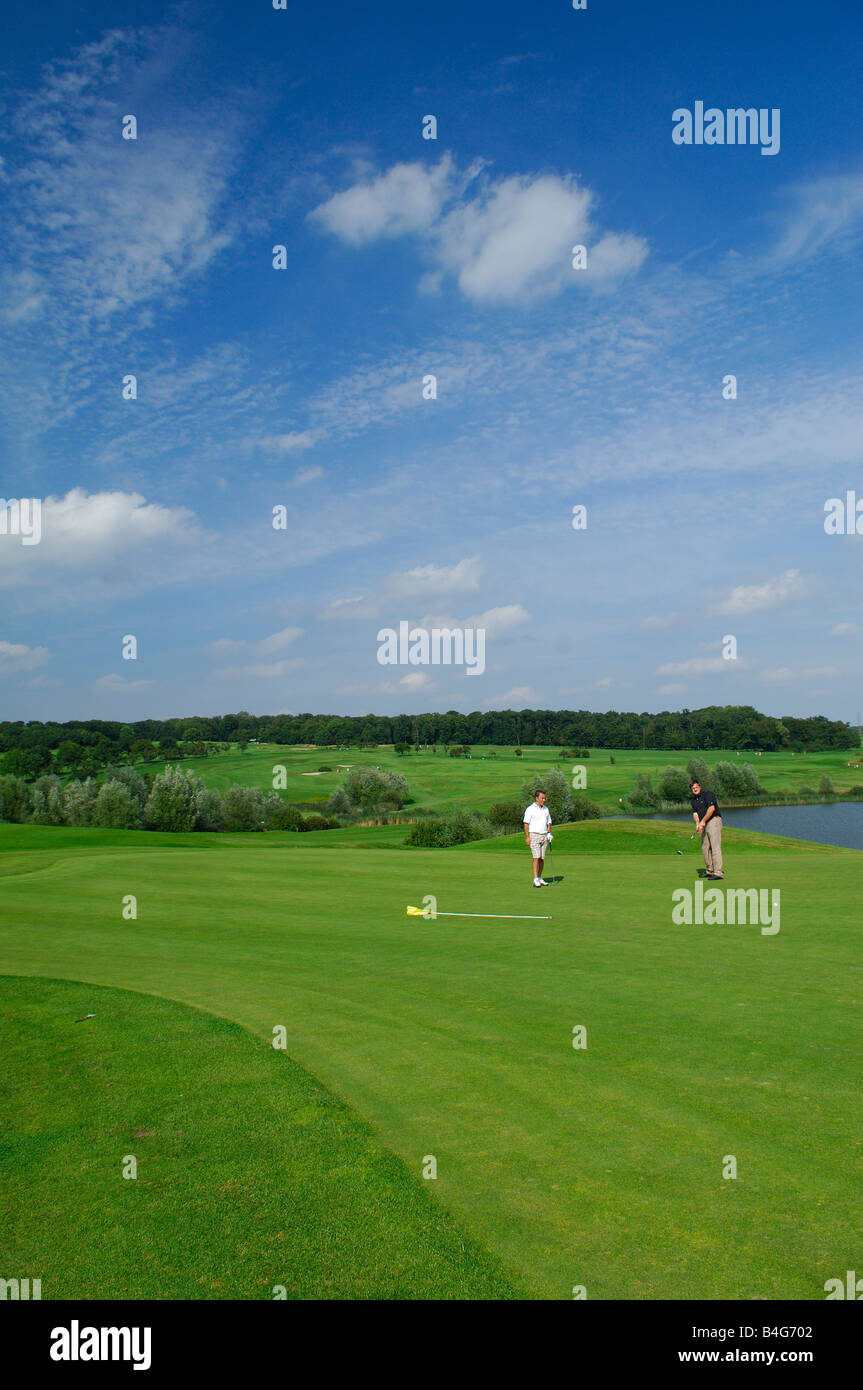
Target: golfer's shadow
{"points": [[555, 878]]}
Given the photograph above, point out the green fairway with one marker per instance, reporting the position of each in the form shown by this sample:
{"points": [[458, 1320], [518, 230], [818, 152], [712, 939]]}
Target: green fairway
{"points": [[441, 783], [250, 1176], [453, 1038]]}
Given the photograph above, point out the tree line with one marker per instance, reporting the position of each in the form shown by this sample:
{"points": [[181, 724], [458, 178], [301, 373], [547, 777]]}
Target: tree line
{"points": [[81, 748]]}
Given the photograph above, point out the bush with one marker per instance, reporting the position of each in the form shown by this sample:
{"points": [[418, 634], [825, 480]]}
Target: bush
{"points": [[279, 815], [674, 784], [243, 808], [698, 771], [171, 803], [643, 797], [131, 780], [315, 821], [506, 815], [79, 799], [46, 800], [583, 809], [806, 791], [208, 809], [826, 788], [367, 789], [339, 803], [115, 808], [458, 829], [15, 803], [735, 779], [325, 767], [558, 794]]}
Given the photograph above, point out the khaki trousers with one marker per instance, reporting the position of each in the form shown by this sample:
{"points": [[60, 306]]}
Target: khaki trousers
{"points": [[711, 845]]}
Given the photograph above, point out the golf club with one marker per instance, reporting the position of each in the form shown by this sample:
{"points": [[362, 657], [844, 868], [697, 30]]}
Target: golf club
{"points": [[550, 879], [692, 837]]}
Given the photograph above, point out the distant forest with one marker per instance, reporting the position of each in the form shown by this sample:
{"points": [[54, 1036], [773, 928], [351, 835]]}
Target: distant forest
{"points": [[83, 747]]}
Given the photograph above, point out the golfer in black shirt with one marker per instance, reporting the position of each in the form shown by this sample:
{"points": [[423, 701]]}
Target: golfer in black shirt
{"points": [[708, 823]]}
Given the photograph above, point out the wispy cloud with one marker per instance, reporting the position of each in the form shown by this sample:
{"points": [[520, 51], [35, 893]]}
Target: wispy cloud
{"points": [[16, 656], [749, 598]]}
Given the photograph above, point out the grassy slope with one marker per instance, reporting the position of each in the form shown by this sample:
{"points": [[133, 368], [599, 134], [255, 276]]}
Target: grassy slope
{"points": [[453, 1038], [443, 783], [250, 1174]]}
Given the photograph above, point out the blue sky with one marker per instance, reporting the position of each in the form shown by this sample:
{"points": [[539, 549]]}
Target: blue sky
{"points": [[302, 387]]}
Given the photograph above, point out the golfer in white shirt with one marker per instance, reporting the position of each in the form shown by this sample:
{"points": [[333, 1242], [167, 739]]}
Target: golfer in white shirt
{"points": [[537, 823]]}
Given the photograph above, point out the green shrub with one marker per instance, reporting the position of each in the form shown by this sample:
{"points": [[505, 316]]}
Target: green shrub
{"points": [[115, 808], [279, 815], [698, 771], [674, 784], [643, 797], [558, 794], [243, 808], [825, 787], [15, 803], [583, 809], [506, 815], [458, 829]]}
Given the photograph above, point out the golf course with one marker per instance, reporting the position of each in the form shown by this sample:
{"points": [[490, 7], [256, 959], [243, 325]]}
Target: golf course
{"points": [[441, 783], [457, 1108]]}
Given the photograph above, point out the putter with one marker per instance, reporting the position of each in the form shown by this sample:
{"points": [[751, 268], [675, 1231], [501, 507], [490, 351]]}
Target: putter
{"points": [[550, 864], [692, 837]]}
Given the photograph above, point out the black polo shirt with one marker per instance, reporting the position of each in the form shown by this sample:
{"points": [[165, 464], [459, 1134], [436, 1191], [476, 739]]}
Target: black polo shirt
{"points": [[703, 801]]}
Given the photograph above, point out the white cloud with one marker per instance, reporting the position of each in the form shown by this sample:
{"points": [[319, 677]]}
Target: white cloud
{"points": [[307, 475], [279, 640], [407, 198], [697, 666], [102, 545], [17, 657], [113, 683], [415, 681], [823, 212], [512, 241], [224, 645], [436, 581], [780, 675], [655, 622], [351, 609], [845, 630], [671, 689], [519, 697], [749, 598], [496, 621], [127, 220], [293, 442]]}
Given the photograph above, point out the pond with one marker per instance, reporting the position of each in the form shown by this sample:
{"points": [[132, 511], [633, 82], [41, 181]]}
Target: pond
{"points": [[830, 823]]}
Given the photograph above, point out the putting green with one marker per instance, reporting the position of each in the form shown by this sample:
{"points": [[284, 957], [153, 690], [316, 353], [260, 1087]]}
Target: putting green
{"points": [[600, 1167]]}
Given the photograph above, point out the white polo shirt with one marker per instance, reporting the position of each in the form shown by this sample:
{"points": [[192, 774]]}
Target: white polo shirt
{"points": [[537, 819]]}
